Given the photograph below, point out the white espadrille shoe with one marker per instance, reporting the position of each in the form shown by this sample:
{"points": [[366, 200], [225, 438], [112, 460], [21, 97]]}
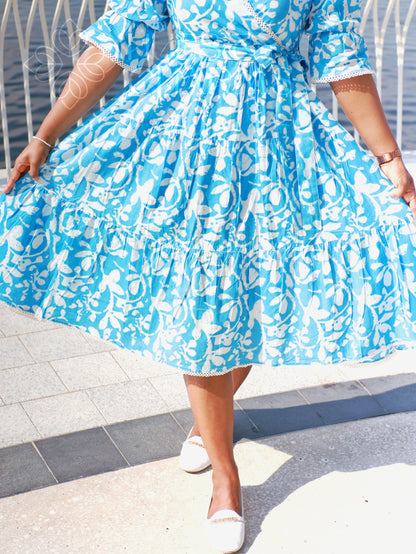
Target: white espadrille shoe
{"points": [[226, 530], [193, 456]]}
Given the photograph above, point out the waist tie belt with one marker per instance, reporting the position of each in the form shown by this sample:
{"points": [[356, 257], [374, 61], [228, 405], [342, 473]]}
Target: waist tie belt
{"points": [[296, 94]]}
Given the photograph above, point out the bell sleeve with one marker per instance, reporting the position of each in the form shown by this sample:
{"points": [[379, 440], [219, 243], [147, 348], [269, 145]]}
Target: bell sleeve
{"points": [[126, 31], [336, 48]]}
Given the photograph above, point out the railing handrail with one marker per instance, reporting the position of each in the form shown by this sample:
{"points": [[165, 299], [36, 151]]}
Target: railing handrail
{"points": [[380, 26]]}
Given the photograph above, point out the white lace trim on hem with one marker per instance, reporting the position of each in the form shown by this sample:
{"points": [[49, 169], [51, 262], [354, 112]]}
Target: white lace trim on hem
{"points": [[110, 55], [348, 75]]}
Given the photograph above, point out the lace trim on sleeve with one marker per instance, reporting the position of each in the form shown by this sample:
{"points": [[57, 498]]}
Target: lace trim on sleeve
{"points": [[347, 75], [110, 55]]}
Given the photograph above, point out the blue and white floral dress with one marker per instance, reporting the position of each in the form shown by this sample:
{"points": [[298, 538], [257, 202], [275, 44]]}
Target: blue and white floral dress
{"points": [[213, 213]]}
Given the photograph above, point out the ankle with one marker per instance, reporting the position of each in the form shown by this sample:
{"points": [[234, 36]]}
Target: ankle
{"points": [[195, 431], [226, 493], [225, 474]]}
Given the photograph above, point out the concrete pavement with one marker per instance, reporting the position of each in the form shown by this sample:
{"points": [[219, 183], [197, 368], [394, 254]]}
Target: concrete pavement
{"points": [[339, 489]]}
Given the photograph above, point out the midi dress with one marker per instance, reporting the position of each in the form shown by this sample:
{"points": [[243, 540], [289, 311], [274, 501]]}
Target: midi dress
{"points": [[213, 213]]}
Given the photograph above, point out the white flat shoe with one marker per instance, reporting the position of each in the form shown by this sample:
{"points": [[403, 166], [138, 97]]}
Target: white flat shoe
{"points": [[226, 530], [193, 456]]}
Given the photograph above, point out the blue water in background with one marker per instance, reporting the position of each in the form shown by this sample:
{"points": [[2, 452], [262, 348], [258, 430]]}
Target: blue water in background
{"points": [[41, 105]]}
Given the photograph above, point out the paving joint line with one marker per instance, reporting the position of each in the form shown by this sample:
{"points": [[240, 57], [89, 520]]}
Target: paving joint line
{"points": [[115, 444], [33, 443]]}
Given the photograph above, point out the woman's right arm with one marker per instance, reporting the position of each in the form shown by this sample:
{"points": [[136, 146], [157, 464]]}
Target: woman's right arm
{"points": [[359, 99], [92, 76]]}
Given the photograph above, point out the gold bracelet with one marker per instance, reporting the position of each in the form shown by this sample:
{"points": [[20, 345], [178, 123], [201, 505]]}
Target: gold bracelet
{"points": [[388, 156]]}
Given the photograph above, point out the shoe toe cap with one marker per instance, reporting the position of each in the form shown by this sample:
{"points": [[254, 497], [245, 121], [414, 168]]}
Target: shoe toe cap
{"points": [[193, 458], [226, 530]]}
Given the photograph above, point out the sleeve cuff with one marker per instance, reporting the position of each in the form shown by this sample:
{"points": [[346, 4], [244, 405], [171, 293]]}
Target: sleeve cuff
{"points": [[124, 41], [345, 75], [333, 57]]}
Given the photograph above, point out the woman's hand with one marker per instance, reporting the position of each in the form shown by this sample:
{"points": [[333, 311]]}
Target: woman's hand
{"points": [[29, 160], [92, 76], [397, 173]]}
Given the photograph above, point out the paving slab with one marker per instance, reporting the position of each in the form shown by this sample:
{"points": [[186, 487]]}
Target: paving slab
{"points": [[339, 402], [97, 344], [172, 389], [396, 393], [138, 367], [280, 412], [13, 323], [23, 383], [22, 469], [244, 427], [63, 342], [264, 380], [91, 370], [64, 413], [13, 353], [130, 400], [15, 426], [80, 454], [336, 489], [147, 439], [157, 436]]}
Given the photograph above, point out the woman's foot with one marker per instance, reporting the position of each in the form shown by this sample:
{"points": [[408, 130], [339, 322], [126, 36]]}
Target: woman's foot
{"points": [[193, 457], [226, 492], [225, 521]]}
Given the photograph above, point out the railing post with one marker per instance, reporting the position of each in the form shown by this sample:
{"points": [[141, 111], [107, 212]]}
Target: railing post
{"points": [[3, 113]]}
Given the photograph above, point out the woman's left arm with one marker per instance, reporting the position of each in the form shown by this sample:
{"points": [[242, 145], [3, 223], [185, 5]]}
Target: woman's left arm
{"points": [[359, 99]]}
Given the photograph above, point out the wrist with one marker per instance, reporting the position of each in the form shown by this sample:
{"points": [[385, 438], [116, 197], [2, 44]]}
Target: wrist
{"points": [[48, 137], [394, 169], [389, 156], [45, 142]]}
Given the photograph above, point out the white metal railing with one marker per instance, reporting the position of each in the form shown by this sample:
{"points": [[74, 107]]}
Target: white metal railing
{"points": [[49, 34], [394, 9], [402, 30]]}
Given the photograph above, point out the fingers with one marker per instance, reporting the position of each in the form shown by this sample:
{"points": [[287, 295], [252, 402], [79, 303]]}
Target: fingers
{"points": [[28, 161], [411, 202], [404, 187], [19, 169], [412, 206], [398, 192], [408, 193], [34, 171]]}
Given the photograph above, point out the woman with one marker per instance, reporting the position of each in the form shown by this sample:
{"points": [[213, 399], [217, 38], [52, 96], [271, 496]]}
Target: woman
{"points": [[213, 215]]}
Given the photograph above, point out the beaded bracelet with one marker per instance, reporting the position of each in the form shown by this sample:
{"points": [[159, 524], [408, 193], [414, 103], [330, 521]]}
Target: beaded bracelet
{"points": [[44, 142]]}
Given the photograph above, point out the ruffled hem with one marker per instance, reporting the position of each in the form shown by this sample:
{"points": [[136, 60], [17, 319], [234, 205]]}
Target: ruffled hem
{"points": [[124, 40], [355, 294]]}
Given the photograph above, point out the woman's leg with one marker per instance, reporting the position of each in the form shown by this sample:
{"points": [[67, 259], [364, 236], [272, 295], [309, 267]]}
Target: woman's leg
{"points": [[239, 376], [212, 405]]}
